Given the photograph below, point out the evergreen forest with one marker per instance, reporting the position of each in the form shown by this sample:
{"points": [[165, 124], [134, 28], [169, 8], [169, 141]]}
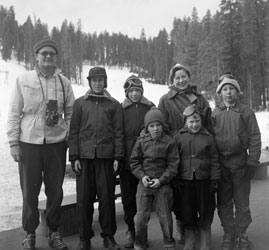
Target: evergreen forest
{"points": [[235, 39]]}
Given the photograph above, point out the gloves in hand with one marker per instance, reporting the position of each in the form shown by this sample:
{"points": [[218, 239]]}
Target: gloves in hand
{"points": [[15, 152], [214, 184], [250, 171], [177, 183], [76, 167], [118, 166]]}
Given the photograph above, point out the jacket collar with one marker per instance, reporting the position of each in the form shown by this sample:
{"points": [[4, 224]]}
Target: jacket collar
{"points": [[55, 72], [149, 138], [174, 91], [127, 102], [234, 107], [185, 129], [90, 93]]}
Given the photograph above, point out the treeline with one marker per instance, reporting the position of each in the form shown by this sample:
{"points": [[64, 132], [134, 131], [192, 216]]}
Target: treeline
{"points": [[235, 39]]}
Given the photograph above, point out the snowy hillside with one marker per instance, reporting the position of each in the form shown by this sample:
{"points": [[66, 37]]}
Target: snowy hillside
{"points": [[10, 194]]}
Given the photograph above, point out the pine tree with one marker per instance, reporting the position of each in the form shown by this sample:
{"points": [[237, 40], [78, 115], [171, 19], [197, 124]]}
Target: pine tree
{"points": [[9, 31]]}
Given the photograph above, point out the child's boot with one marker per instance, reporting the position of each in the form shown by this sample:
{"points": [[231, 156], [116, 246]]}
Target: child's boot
{"points": [[205, 238], [189, 239], [179, 236], [244, 243], [130, 237], [228, 242]]}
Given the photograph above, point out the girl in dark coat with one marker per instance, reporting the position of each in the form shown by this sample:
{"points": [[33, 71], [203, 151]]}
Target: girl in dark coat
{"points": [[198, 175]]}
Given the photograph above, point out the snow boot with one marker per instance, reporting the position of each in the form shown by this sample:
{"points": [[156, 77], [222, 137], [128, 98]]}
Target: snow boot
{"points": [[180, 234], [190, 235], [205, 238], [244, 243], [229, 239]]}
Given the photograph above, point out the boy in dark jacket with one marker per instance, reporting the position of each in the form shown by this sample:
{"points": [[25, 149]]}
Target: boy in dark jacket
{"points": [[154, 161], [134, 107], [238, 141], [197, 179], [96, 146]]}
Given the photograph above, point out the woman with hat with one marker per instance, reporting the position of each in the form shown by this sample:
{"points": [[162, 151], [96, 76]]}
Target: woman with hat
{"points": [[180, 95]]}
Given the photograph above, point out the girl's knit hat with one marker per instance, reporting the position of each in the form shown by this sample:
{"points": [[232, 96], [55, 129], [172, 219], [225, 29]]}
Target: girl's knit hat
{"points": [[228, 79], [153, 115], [97, 71], [133, 82]]}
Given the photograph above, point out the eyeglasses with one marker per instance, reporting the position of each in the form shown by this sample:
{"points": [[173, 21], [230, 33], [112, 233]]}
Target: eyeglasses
{"points": [[132, 83], [46, 53]]}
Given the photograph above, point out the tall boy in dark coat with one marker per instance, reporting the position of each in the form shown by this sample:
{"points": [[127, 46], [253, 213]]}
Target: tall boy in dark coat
{"points": [[96, 147]]}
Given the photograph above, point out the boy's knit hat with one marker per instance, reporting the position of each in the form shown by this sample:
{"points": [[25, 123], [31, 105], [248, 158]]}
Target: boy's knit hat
{"points": [[133, 82], [97, 71], [228, 79], [153, 115], [189, 111], [46, 41], [174, 69]]}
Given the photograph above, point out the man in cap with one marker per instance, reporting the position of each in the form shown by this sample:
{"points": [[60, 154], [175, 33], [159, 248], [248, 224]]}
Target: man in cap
{"points": [[38, 122]]}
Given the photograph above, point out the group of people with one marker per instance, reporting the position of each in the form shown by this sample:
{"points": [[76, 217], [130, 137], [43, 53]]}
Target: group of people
{"points": [[173, 158]]}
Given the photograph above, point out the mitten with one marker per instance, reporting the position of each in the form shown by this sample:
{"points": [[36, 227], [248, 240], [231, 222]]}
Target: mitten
{"points": [[177, 183], [214, 184], [250, 171], [76, 167]]}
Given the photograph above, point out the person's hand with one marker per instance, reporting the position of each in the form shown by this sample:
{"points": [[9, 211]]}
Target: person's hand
{"points": [[213, 187], [76, 167], [146, 181], [143, 133], [118, 166], [177, 183], [15, 152], [250, 172], [155, 183]]}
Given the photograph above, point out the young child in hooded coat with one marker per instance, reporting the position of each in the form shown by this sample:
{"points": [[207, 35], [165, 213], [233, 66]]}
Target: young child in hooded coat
{"points": [[197, 179]]}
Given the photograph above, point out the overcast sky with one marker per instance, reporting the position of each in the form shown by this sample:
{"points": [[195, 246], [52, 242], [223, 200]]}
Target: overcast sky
{"points": [[125, 16]]}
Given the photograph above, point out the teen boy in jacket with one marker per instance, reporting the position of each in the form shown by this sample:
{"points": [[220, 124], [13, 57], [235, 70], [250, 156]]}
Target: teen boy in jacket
{"points": [[238, 141], [134, 107], [96, 147]]}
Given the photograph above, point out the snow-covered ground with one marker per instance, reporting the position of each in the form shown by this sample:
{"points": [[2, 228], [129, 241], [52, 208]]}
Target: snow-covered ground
{"points": [[10, 194]]}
